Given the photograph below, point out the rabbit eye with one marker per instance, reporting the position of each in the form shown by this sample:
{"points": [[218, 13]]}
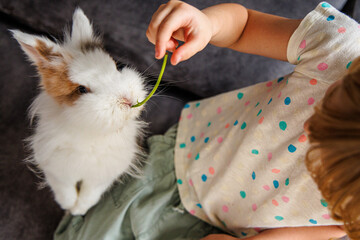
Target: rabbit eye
{"points": [[81, 90]]}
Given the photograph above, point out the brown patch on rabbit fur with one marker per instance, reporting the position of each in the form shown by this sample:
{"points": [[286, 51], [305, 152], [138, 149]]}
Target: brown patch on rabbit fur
{"points": [[54, 77]]}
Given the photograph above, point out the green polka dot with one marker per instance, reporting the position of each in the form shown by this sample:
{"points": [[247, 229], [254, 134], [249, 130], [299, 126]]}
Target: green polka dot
{"points": [[279, 218], [257, 104], [348, 65], [240, 95], [179, 181], [242, 194], [323, 202], [259, 112], [255, 151], [243, 125], [182, 145], [282, 125], [287, 181], [197, 156], [209, 123]]}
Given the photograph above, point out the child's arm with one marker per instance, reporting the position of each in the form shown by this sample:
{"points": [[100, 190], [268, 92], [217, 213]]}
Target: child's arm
{"points": [[293, 233], [225, 25]]}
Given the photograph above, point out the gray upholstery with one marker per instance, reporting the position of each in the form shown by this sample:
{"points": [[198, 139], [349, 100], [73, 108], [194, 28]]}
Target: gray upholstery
{"points": [[29, 213]]}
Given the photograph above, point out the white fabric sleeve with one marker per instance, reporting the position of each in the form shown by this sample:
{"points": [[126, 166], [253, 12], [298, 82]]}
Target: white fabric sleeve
{"points": [[325, 44]]}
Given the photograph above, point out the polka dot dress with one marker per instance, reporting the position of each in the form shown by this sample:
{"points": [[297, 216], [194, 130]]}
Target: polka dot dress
{"points": [[239, 156]]}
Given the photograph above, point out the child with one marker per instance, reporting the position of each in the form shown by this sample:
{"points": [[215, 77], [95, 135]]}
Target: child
{"points": [[240, 157]]}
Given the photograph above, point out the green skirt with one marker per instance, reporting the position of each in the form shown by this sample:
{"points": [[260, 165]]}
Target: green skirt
{"points": [[143, 208]]}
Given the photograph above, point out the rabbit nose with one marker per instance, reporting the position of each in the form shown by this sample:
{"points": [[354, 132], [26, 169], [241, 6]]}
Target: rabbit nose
{"points": [[125, 101]]}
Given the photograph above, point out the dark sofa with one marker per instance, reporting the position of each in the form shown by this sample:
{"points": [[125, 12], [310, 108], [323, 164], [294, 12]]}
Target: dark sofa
{"points": [[29, 213]]}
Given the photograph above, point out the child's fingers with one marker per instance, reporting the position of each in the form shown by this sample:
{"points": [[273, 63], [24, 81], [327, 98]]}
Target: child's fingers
{"points": [[187, 50], [166, 29]]}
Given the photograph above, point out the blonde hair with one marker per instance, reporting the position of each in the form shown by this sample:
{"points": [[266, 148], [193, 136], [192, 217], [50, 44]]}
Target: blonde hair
{"points": [[334, 156]]}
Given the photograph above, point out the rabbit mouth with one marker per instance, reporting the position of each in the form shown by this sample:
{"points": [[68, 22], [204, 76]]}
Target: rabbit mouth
{"points": [[125, 102]]}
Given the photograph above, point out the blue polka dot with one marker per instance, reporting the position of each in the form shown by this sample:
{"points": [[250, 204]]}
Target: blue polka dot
{"points": [[204, 178], [206, 140], [187, 105], [287, 101], [280, 79], [197, 156], [240, 95], [236, 122], [279, 218], [179, 181], [270, 101], [199, 205], [192, 139], [255, 151], [313, 221], [291, 148], [325, 5], [253, 175], [244, 234], [276, 183], [182, 145], [287, 181], [330, 18], [243, 125], [197, 104], [259, 112]]}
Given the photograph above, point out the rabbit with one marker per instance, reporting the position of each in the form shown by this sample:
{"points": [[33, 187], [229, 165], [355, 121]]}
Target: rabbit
{"points": [[86, 130]]}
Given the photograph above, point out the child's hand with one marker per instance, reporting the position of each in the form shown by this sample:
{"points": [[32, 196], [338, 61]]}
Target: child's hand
{"points": [[179, 21]]}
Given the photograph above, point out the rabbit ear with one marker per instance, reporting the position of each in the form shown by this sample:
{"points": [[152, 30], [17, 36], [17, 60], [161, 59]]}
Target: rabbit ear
{"points": [[82, 31], [40, 50]]}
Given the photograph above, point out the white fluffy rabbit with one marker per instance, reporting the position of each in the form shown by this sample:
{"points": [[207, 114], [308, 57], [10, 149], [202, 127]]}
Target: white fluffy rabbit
{"points": [[86, 131]]}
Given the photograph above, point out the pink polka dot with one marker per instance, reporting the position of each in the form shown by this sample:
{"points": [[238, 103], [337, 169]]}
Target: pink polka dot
{"points": [[302, 138], [202, 134], [180, 118], [322, 66], [285, 199], [225, 208], [269, 84], [326, 216], [311, 101], [227, 125], [220, 139], [279, 95], [211, 170], [189, 155], [254, 207], [275, 203], [247, 103], [192, 212], [189, 116], [342, 30], [266, 187], [303, 44], [191, 182], [219, 110], [275, 170], [269, 156], [261, 120]]}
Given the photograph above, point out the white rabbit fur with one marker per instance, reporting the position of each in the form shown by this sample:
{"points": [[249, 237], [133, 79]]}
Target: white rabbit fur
{"points": [[88, 138]]}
